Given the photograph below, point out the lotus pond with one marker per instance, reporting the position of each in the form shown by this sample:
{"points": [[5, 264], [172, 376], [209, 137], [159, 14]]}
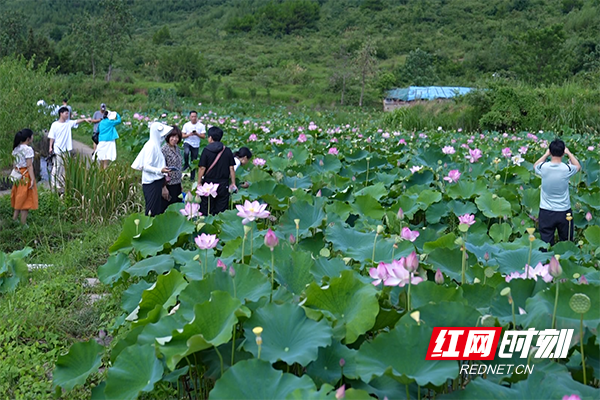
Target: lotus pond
{"points": [[329, 273]]}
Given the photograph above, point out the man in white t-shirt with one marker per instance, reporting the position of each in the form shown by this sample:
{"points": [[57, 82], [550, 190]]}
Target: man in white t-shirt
{"points": [[61, 142], [192, 132]]}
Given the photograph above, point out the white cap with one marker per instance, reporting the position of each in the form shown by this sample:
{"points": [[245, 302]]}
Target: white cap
{"points": [[112, 115]]}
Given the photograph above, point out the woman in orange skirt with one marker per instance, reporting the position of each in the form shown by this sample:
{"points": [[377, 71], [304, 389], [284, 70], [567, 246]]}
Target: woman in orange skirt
{"points": [[24, 195]]}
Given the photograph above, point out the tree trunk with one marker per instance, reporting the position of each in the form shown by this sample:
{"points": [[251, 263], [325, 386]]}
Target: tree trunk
{"points": [[109, 73], [93, 67], [343, 89]]}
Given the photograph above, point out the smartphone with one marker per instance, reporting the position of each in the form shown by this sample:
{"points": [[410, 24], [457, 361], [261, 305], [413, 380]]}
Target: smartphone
{"points": [[174, 168]]}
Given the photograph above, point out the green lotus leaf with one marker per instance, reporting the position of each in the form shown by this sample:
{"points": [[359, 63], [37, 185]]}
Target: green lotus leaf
{"points": [[479, 296], [265, 187], [310, 216], [250, 285], [73, 368], [231, 227], [521, 290], [293, 272], [129, 231], [112, 270], [366, 205], [428, 197], [386, 179], [132, 296], [330, 164], [165, 229], [591, 199], [515, 260], [326, 368], [466, 189], [256, 379], [257, 175], [163, 293], [408, 204], [162, 325], [424, 178], [435, 212], [446, 241], [210, 358], [592, 234], [541, 306], [449, 261], [461, 208], [531, 200], [359, 245], [297, 183], [212, 325], [339, 208], [493, 207], [352, 318], [376, 191], [288, 335], [500, 232], [13, 270], [444, 314], [356, 155], [328, 392], [135, 370], [389, 351], [429, 292], [158, 264], [331, 268]]}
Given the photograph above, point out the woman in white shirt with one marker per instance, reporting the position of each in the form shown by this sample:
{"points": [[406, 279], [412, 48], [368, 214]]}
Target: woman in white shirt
{"points": [[153, 166], [24, 195], [242, 157]]}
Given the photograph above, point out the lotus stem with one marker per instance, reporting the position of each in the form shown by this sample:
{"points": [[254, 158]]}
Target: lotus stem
{"points": [[512, 305], [418, 391], [506, 174], [272, 274], [528, 260], [569, 230], [233, 341], [555, 305], [374, 243], [367, 179], [407, 393], [297, 237], [220, 358], [205, 263], [581, 348], [243, 246], [464, 263], [208, 213], [251, 241], [393, 251], [408, 296]]}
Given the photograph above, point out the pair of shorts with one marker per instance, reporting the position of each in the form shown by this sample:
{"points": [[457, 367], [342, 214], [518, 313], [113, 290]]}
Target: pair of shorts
{"points": [[106, 151]]}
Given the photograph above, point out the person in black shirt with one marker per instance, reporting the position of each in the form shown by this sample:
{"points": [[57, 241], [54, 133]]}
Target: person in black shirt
{"points": [[216, 166]]}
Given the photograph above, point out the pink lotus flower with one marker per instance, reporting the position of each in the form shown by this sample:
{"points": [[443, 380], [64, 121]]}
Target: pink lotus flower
{"points": [[402, 141], [540, 270], [251, 211], [271, 240], [571, 397], [379, 274], [333, 151], [523, 149], [591, 148], [205, 242], [412, 262], [506, 152], [474, 155], [259, 162], [407, 234], [208, 189], [302, 138], [468, 219], [398, 275], [453, 176], [290, 155], [416, 168], [588, 216], [448, 150], [252, 138], [439, 277], [191, 210]]}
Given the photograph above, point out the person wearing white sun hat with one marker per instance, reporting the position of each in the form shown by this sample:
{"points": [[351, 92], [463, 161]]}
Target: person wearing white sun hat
{"points": [[152, 163]]}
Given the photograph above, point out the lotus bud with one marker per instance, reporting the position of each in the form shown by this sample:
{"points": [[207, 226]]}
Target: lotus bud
{"points": [[439, 277], [271, 240], [246, 229], [342, 362], [530, 230], [232, 271], [297, 222], [554, 268], [380, 229], [486, 256], [321, 163], [341, 392], [318, 193], [400, 214], [412, 262], [292, 239], [221, 264], [583, 281], [290, 155], [588, 216]]}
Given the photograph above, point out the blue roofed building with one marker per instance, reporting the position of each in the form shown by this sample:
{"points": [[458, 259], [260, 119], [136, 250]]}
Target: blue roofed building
{"points": [[403, 97]]}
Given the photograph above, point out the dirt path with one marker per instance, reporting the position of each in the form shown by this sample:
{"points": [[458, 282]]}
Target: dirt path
{"points": [[78, 147]]}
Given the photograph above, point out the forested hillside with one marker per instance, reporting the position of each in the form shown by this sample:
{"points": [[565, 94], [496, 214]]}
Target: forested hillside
{"points": [[301, 49]]}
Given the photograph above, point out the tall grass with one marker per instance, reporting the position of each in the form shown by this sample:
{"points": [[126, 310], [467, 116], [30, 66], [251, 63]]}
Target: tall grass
{"points": [[93, 194]]}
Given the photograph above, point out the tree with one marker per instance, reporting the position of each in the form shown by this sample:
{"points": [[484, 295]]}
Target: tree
{"points": [[162, 36], [12, 32], [419, 69], [342, 69], [117, 22], [87, 35], [539, 56], [366, 63]]}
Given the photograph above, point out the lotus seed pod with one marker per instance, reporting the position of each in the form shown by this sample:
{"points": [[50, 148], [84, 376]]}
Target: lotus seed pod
{"points": [[297, 222], [257, 331], [476, 280], [530, 230], [489, 272], [416, 315], [580, 303], [505, 291], [459, 241], [497, 177], [576, 275], [247, 229]]}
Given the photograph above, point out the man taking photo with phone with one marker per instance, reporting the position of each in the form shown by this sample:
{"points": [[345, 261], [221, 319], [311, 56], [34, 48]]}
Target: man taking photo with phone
{"points": [[192, 132]]}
